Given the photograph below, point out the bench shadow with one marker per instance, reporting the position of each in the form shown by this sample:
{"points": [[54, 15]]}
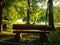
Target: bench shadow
{"points": [[26, 42]]}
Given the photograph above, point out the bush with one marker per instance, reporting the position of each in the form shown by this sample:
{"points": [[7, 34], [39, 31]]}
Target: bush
{"points": [[55, 36]]}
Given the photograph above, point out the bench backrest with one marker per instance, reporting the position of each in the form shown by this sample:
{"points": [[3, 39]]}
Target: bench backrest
{"points": [[31, 26]]}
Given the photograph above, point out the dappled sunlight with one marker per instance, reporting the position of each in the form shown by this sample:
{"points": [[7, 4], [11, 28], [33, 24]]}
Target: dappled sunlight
{"points": [[57, 24], [41, 23], [20, 20], [56, 3], [7, 32], [39, 4]]}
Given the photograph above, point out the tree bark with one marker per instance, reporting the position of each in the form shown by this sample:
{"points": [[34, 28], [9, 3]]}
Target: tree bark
{"points": [[0, 14], [28, 16], [51, 20]]}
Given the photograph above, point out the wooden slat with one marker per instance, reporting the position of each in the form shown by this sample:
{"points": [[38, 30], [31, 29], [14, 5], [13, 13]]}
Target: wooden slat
{"points": [[30, 31], [30, 26]]}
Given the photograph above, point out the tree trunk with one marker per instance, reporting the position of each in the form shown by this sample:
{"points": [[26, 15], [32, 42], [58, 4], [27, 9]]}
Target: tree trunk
{"points": [[28, 17], [0, 14], [34, 21], [51, 21], [46, 19]]}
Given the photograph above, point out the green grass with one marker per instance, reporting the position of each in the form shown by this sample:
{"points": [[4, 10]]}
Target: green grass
{"points": [[5, 36], [53, 38]]}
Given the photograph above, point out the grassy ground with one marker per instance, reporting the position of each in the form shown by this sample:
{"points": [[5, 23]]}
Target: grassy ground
{"points": [[7, 38]]}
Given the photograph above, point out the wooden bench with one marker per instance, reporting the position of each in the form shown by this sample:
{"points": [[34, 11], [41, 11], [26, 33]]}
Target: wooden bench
{"points": [[29, 28]]}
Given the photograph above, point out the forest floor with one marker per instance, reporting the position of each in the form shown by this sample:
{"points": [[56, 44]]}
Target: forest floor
{"points": [[7, 38]]}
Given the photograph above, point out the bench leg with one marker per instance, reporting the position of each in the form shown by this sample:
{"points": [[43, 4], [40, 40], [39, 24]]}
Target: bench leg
{"points": [[43, 37], [18, 35]]}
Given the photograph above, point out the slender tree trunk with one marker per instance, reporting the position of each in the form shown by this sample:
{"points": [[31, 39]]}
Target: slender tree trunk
{"points": [[35, 20], [28, 16], [0, 14], [47, 14], [51, 21]]}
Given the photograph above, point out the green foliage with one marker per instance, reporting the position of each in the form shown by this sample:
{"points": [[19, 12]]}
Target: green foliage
{"points": [[13, 10], [17, 9], [56, 14]]}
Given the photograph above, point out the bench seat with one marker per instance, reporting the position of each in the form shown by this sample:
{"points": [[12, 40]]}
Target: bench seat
{"points": [[30, 31]]}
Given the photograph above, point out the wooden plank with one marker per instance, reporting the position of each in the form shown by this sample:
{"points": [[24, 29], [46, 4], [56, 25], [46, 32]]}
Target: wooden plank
{"points": [[30, 31], [31, 26]]}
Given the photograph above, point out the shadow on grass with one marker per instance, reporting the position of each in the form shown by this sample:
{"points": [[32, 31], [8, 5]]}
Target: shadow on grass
{"points": [[13, 41], [54, 36], [5, 36], [9, 39], [26, 42]]}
